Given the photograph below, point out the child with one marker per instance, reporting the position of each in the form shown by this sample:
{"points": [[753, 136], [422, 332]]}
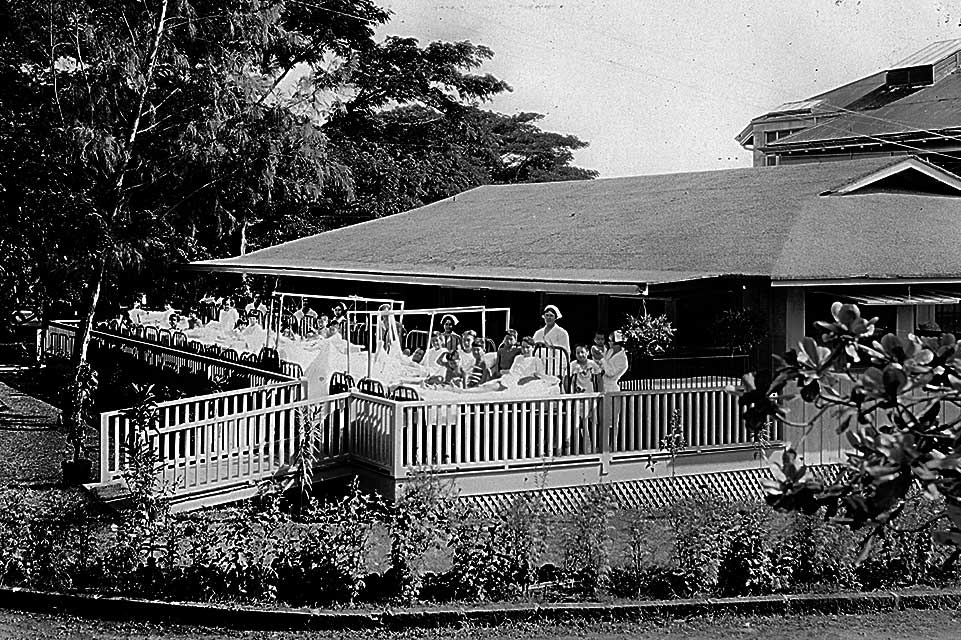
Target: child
{"points": [[478, 374], [599, 348], [583, 371], [506, 353]]}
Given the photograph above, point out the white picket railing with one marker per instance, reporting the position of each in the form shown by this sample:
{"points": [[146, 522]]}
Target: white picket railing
{"points": [[226, 439], [221, 451], [60, 339], [456, 434], [707, 417]]}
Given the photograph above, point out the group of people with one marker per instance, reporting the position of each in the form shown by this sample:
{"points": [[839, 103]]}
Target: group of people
{"points": [[462, 359]]}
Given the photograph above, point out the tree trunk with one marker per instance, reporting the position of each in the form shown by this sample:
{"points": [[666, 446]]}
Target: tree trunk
{"points": [[93, 297]]}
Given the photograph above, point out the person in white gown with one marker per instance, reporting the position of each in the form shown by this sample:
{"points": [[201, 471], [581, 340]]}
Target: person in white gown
{"points": [[553, 334], [228, 316], [526, 366]]}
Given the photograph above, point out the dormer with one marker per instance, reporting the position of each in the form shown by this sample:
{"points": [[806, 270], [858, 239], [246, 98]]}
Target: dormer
{"points": [[926, 66]]}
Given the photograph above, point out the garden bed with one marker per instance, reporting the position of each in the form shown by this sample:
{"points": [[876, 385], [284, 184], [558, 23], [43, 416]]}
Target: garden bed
{"points": [[359, 552]]}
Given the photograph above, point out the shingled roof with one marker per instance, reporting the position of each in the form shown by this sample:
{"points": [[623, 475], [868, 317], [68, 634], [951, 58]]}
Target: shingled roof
{"points": [[771, 222], [935, 108]]}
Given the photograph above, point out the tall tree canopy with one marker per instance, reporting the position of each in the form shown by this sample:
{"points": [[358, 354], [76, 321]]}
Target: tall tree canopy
{"points": [[138, 133]]}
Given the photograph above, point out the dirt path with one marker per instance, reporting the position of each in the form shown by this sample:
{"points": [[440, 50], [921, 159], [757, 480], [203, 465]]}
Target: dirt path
{"points": [[31, 447], [894, 625]]}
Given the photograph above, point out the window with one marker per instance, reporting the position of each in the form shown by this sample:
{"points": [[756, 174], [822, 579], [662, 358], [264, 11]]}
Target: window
{"points": [[774, 136]]}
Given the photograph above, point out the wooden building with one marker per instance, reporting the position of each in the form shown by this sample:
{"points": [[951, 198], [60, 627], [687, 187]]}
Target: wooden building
{"points": [[911, 108]]}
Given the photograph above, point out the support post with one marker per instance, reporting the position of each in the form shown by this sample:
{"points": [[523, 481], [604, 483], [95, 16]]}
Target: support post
{"points": [[104, 447], [397, 469], [605, 415]]}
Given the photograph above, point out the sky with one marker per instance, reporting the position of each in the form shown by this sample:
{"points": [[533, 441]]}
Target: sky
{"points": [[657, 86]]}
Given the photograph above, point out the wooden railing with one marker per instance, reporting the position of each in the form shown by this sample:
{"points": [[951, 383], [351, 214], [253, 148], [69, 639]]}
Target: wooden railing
{"points": [[478, 432], [223, 440], [694, 372], [61, 339], [160, 356], [706, 417], [218, 452], [373, 420]]}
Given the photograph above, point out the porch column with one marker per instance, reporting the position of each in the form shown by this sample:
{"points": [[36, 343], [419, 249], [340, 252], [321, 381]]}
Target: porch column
{"points": [[794, 317], [904, 323]]}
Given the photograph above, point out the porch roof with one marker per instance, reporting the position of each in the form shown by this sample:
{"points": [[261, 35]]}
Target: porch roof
{"points": [[621, 235]]}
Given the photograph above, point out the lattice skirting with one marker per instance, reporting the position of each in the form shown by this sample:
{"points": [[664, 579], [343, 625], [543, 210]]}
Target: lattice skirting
{"points": [[648, 494]]}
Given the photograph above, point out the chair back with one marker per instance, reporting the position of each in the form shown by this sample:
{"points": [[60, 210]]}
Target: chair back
{"points": [[417, 339], [150, 334], [371, 387], [340, 382], [404, 394], [229, 355], [291, 369], [557, 362], [195, 346], [164, 337], [178, 339], [270, 359]]}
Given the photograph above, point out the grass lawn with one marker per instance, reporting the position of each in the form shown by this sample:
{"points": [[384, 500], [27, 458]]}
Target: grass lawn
{"points": [[927, 624]]}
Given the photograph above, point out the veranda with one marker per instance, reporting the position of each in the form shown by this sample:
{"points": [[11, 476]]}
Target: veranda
{"points": [[217, 448]]}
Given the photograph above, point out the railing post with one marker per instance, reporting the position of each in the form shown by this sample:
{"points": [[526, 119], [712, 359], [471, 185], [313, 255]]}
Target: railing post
{"points": [[397, 468], [104, 447], [605, 418]]}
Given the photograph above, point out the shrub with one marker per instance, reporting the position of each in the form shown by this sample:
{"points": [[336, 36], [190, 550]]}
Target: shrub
{"points": [[588, 540], [700, 524], [419, 520], [745, 566]]}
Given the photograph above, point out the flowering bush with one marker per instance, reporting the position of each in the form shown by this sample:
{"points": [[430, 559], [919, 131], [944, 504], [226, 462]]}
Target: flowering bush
{"points": [[897, 401]]}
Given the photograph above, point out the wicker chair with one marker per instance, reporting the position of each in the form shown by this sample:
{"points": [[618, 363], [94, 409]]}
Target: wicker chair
{"points": [[195, 347], [178, 339], [150, 334], [164, 337], [229, 355]]}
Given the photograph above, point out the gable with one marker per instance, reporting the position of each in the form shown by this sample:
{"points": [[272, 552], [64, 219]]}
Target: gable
{"points": [[912, 176]]}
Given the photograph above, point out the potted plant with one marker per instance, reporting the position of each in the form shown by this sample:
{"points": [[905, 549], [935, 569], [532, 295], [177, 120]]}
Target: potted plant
{"points": [[76, 420], [739, 330], [647, 335]]}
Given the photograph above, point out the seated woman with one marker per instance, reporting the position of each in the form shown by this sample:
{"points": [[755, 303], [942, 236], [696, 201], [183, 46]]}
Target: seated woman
{"points": [[526, 367]]}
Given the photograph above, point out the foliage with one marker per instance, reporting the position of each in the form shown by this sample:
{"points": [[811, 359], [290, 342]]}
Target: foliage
{"points": [[78, 416], [648, 336], [419, 520], [896, 400], [588, 539], [746, 566], [739, 330], [674, 441], [496, 558], [166, 131]]}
